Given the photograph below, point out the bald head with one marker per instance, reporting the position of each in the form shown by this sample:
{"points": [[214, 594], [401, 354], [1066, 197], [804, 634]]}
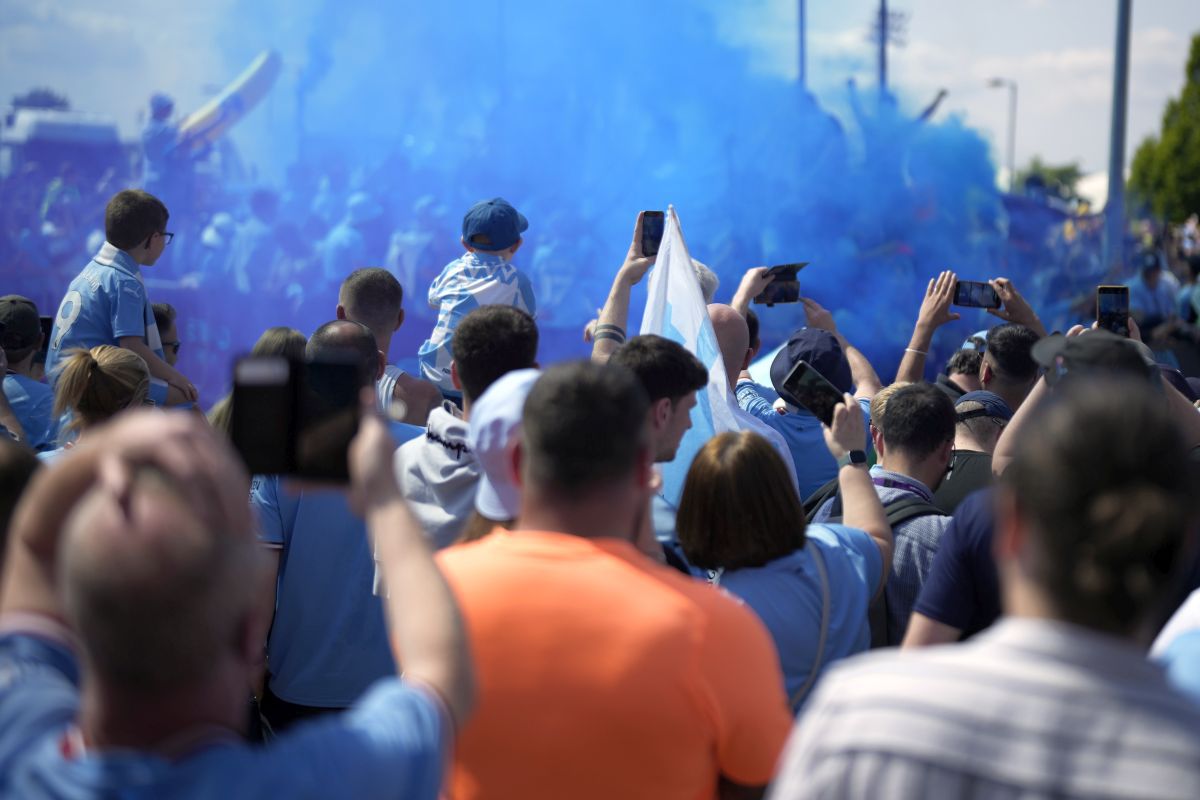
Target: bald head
{"points": [[343, 338], [157, 588], [733, 337]]}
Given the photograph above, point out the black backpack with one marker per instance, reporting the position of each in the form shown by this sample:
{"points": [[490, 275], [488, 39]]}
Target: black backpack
{"points": [[899, 511]]}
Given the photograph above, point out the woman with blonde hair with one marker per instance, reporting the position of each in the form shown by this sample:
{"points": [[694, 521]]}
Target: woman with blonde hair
{"points": [[741, 519], [277, 341], [94, 386]]}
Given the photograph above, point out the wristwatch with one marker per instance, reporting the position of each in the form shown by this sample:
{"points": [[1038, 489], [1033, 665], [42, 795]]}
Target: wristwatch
{"points": [[854, 458]]}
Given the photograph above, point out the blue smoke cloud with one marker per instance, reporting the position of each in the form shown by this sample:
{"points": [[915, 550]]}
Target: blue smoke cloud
{"points": [[581, 115]]}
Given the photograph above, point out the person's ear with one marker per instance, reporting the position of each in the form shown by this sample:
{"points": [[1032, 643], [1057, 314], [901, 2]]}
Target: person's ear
{"points": [[747, 359], [877, 440], [399, 320], [946, 453], [454, 381], [382, 364], [661, 414], [512, 251], [985, 372], [1011, 530], [516, 464], [340, 311]]}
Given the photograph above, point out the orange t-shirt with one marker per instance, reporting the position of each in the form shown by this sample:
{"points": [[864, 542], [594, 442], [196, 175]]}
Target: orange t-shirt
{"points": [[605, 675]]}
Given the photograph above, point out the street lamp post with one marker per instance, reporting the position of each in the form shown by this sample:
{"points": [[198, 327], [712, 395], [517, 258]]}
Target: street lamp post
{"points": [[996, 83]]}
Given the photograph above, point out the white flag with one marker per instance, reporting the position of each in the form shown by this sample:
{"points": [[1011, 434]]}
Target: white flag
{"points": [[675, 310]]}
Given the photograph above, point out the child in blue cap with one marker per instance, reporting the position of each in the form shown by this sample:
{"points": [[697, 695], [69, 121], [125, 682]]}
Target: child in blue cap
{"points": [[484, 275]]}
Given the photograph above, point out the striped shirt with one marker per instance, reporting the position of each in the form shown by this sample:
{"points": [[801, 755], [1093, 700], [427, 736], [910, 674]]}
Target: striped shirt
{"points": [[1028, 709], [916, 543]]}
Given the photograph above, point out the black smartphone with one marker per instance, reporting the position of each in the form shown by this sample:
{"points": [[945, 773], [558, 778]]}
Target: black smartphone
{"points": [[47, 324], [1112, 309], [653, 225], [785, 288], [296, 418], [811, 390], [975, 294]]}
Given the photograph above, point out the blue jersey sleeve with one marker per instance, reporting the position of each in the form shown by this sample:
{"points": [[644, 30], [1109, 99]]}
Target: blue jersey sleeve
{"points": [[39, 692], [127, 308], [754, 403], [863, 551], [264, 499]]}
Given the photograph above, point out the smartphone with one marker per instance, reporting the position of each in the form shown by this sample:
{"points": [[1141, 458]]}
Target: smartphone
{"points": [[785, 288], [296, 418], [975, 294], [47, 324], [811, 390], [1112, 309], [653, 225]]}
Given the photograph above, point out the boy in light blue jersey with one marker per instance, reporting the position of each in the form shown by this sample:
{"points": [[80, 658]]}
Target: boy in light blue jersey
{"points": [[482, 276], [107, 302], [32, 401]]}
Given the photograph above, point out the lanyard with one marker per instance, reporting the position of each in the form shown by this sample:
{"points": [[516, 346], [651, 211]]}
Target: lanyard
{"points": [[893, 483]]}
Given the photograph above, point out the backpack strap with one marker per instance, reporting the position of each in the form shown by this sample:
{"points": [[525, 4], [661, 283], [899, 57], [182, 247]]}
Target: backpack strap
{"points": [[818, 498], [819, 658]]}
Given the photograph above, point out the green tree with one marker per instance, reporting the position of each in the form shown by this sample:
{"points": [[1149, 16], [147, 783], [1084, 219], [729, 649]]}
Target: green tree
{"points": [[1165, 173], [1060, 180]]}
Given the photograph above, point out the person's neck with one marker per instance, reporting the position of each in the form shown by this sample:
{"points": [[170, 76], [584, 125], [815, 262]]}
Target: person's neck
{"points": [[112, 717], [602, 513], [383, 343], [963, 382], [965, 441], [1013, 396], [923, 471], [22, 367]]}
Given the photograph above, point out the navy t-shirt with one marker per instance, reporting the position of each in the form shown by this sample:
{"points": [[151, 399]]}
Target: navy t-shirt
{"points": [[963, 588]]}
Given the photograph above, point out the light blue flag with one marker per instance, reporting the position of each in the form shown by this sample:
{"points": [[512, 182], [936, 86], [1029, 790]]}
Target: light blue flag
{"points": [[675, 309]]}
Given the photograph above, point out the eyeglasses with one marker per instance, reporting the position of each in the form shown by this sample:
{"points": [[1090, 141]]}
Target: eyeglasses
{"points": [[168, 236], [173, 345]]}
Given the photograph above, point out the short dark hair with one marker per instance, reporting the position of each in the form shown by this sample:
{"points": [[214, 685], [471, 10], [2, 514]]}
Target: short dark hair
{"points": [[1010, 352], [665, 368], [584, 425], [372, 296], [132, 216], [739, 506], [164, 315], [752, 326], [1102, 475], [918, 419], [347, 339], [964, 362], [490, 342]]}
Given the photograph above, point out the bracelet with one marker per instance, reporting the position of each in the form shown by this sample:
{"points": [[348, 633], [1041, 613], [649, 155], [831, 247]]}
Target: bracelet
{"points": [[608, 326], [913, 350], [613, 335]]}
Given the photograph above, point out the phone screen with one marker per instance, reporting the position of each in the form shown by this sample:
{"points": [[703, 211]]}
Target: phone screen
{"points": [[653, 225], [328, 420], [784, 288], [264, 393], [975, 294], [1112, 309], [47, 324], [811, 390]]}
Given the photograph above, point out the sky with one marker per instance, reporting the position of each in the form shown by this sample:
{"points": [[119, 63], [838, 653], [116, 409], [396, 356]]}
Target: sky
{"points": [[1059, 52], [109, 56]]}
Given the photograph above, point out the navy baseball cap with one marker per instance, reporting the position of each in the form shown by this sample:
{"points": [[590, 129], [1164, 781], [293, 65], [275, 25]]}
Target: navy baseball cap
{"points": [[497, 221], [1093, 352], [20, 321], [993, 406], [820, 349]]}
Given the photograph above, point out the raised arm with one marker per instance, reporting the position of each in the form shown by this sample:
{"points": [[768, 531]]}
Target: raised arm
{"points": [[610, 330], [860, 502], [753, 283], [427, 630], [866, 380], [934, 313], [1015, 308]]}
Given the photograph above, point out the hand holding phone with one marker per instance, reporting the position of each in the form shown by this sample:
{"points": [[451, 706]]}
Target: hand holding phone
{"points": [[975, 294], [784, 286], [809, 389], [1112, 309], [653, 226]]}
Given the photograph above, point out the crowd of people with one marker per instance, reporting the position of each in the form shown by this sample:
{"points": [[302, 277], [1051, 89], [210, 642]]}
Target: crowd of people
{"points": [[506, 600]]}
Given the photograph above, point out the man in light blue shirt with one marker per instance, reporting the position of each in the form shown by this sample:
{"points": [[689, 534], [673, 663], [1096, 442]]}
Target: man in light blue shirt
{"points": [[107, 302], [328, 641], [484, 275], [132, 680], [32, 401], [840, 363]]}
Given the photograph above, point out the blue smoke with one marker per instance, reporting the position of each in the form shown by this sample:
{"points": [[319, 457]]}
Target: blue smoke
{"points": [[581, 115]]}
